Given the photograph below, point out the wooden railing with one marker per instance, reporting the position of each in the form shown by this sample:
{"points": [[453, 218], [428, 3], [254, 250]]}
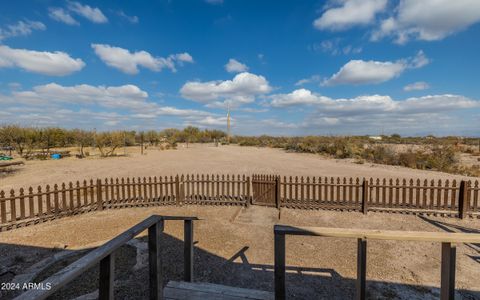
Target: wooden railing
{"points": [[104, 255], [448, 240], [34, 205]]}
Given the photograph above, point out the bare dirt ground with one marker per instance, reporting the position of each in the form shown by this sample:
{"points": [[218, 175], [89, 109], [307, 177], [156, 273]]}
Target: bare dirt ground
{"points": [[238, 251], [201, 158]]}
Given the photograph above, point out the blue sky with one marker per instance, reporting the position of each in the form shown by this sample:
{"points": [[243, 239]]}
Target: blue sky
{"points": [[283, 67]]}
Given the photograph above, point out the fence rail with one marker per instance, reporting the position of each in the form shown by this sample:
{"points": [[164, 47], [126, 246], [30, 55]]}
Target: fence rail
{"points": [[34, 205]]}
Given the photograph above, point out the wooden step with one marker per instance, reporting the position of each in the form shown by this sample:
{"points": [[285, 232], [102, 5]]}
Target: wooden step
{"points": [[180, 290]]}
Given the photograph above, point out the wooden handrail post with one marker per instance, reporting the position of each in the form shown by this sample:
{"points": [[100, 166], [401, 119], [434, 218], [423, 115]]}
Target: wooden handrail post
{"points": [[277, 192], [463, 199], [99, 195], [107, 277], [188, 250], [447, 287], [361, 269], [155, 260], [279, 268], [365, 196]]}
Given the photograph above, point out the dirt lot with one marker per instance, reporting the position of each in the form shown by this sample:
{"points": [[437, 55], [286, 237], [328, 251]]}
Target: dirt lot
{"points": [[201, 159], [238, 251]]}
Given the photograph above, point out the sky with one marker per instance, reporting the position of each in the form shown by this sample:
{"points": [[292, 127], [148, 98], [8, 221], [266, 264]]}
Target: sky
{"points": [[337, 67]]}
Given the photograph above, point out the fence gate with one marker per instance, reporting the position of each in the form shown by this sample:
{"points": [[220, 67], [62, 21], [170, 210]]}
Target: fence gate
{"points": [[265, 190]]}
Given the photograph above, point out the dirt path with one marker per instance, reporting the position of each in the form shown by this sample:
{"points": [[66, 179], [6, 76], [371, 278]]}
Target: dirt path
{"points": [[202, 159], [240, 253]]}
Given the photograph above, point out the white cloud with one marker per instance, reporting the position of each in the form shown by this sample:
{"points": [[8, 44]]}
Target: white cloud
{"points": [[131, 19], [358, 72], [47, 63], [90, 106], [416, 86], [95, 15], [125, 96], [366, 72], [350, 13], [428, 20], [184, 57], [297, 97], [234, 66], [128, 62], [313, 78], [242, 89], [21, 28], [446, 114], [371, 104], [61, 15]]}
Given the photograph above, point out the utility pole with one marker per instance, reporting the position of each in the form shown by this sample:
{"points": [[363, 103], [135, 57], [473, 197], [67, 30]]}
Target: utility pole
{"points": [[124, 143], [141, 141], [228, 124]]}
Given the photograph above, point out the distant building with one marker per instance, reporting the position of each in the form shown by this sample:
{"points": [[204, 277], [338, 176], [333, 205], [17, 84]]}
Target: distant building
{"points": [[375, 137]]}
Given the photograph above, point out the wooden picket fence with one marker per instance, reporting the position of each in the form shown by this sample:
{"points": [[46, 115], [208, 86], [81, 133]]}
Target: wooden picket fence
{"points": [[447, 197], [30, 206]]}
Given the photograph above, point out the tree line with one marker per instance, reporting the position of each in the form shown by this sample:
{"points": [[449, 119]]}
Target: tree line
{"points": [[26, 140]]}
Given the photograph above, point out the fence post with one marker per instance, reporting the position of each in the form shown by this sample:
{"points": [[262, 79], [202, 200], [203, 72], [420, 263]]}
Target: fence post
{"points": [[247, 192], [155, 260], [177, 190], [277, 191], [365, 196], [279, 265], [188, 250], [361, 269], [463, 199], [99, 195], [249, 198], [447, 286]]}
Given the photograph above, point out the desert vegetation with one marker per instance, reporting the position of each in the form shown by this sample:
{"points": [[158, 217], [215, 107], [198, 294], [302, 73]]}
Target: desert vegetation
{"points": [[32, 142], [425, 153]]}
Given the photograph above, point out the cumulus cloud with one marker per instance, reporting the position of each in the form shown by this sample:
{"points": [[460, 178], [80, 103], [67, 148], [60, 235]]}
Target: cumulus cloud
{"points": [[428, 20], [61, 15], [313, 78], [416, 86], [42, 62], [369, 104], [95, 15], [125, 96], [349, 13], [359, 72], [234, 66], [364, 114], [297, 97], [81, 105], [128, 62], [21, 28], [242, 89]]}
